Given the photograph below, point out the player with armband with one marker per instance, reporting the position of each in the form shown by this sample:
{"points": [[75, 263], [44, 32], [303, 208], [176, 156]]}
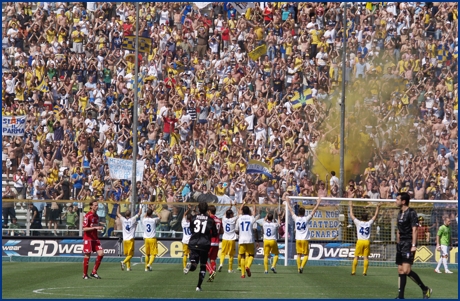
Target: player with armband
{"points": [[228, 239], [302, 235], [150, 241], [270, 244], [129, 225], [186, 234], [246, 225], [363, 228], [203, 228]]}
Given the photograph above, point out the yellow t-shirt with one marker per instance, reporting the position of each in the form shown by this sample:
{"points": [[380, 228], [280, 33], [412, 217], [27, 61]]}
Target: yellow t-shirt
{"points": [[314, 36], [77, 38]]}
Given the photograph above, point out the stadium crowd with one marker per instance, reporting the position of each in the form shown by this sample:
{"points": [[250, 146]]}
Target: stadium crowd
{"points": [[207, 107]]}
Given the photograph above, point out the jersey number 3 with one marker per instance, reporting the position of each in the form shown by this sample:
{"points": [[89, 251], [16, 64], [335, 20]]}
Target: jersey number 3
{"points": [[200, 226]]}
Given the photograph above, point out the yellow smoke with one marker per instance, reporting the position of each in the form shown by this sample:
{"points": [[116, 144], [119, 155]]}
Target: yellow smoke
{"points": [[358, 145]]}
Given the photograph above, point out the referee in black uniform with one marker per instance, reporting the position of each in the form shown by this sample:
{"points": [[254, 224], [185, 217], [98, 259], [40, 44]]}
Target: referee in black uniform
{"points": [[406, 247], [203, 228]]}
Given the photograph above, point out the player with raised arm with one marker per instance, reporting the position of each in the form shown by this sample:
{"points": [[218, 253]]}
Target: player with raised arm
{"points": [[246, 232], [212, 256], [270, 243], [443, 244], [151, 245], [129, 225], [302, 235], [203, 229], [406, 239], [363, 228], [228, 238], [186, 234], [91, 242]]}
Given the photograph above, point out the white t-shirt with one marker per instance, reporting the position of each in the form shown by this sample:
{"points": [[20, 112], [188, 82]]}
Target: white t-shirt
{"points": [[320, 57], [229, 225], [250, 120], [10, 83], [38, 184], [150, 224], [129, 227], [245, 229], [270, 230], [363, 229], [330, 36], [164, 16], [301, 227], [334, 180]]}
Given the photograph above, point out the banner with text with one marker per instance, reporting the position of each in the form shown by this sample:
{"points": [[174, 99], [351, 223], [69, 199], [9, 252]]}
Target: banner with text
{"points": [[259, 167], [13, 125], [325, 223], [325, 250], [123, 169]]}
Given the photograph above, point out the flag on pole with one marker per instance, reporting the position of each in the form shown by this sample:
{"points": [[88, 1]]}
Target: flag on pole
{"points": [[258, 52], [140, 83], [301, 98], [145, 44]]}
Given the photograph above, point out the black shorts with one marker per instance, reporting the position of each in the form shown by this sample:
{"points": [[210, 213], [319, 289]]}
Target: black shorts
{"points": [[403, 252], [199, 255]]}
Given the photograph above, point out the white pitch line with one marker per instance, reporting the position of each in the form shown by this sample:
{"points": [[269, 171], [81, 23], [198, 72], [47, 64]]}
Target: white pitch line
{"points": [[41, 291]]}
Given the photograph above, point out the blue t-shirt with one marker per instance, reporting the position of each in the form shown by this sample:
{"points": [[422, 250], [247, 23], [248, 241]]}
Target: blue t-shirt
{"points": [[78, 183]]}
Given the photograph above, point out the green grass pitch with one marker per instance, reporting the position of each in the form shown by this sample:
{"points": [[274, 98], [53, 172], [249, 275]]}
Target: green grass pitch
{"points": [[57, 280]]}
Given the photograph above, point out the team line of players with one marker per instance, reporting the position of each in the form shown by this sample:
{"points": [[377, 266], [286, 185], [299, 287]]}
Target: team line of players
{"points": [[201, 238]]}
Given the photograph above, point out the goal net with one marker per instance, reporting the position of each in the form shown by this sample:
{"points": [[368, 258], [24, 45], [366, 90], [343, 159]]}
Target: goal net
{"points": [[333, 234]]}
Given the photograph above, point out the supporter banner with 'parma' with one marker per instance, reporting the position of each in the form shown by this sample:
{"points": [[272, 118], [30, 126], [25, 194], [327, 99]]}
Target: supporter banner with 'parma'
{"points": [[123, 169], [255, 166], [13, 125]]}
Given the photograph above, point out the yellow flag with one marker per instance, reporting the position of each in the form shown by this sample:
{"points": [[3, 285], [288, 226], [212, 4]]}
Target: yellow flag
{"points": [[258, 52]]}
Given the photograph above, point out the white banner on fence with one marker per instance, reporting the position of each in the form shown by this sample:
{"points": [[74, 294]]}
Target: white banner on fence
{"points": [[202, 5], [123, 169], [13, 125], [241, 7]]}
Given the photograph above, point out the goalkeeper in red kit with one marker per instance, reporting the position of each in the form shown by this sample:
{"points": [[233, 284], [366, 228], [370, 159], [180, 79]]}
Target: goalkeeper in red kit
{"points": [[91, 242]]}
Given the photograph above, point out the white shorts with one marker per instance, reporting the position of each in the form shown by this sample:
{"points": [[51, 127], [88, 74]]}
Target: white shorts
{"points": [[444, 250]]}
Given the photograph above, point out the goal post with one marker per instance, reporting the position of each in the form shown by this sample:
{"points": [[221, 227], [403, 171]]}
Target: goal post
{"points": [[333, 233]]}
